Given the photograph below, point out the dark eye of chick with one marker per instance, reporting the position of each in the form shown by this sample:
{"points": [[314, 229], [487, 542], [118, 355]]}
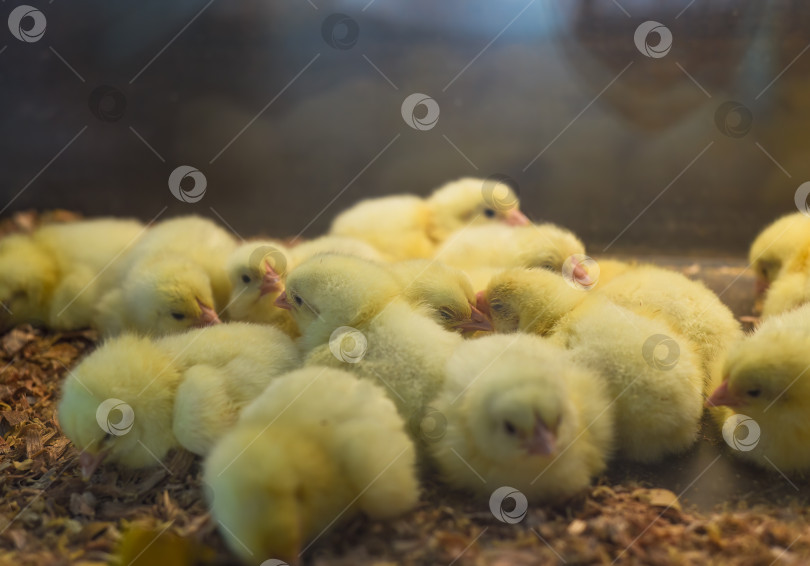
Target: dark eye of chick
{"points": [[246, 279], [754, 392], [489, 213], [509, 428], [445, 314], [298, 300], [496, 306], [178, 316], [548, 267]]}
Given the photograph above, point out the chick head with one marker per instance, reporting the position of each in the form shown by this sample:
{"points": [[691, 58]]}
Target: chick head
{"points": [[470, 201], [546, 246], [117, 404], [332, 290], [27, 277], [170, 295], [518, 405], [766, 373], [446, 291], [256, 270], [774, 246], [529, 300]]}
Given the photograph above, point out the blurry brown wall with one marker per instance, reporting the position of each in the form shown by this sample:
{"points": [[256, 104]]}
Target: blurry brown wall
{"points": [[280, 122]]}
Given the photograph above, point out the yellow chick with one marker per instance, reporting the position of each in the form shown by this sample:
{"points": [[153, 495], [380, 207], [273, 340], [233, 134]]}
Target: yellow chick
{"points": [[352, 316], [133, 399], [174, 278], [653, 376], [317, 447], [496, 246], [256, 270], [407, 227], [792, 288], [52, 276], [445, 290], [763, 394], [774, 246], [335, 245], [521, 412]]}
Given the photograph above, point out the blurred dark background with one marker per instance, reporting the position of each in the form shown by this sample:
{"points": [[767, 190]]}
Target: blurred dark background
{"points": [[292, 113]]}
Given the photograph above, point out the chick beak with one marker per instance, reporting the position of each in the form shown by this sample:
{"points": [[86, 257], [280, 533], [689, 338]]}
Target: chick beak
{"points": [[208, 316], [542, 442], [761, 286], [482, 305], [515, 217], [282, 302], [722, 397], [271, 282], [581, 275], [88, 462], [477, 321]]}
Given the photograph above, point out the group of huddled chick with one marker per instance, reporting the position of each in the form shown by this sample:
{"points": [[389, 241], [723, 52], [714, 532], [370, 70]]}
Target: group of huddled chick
{"points": [[353, 362]]}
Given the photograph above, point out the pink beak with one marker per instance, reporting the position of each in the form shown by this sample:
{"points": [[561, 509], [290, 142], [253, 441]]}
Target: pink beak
{"points": [[722, 397], [90, 462], [482, 305], [208, 316], [271, 282], [581, 275], [515, 217], [543, 442], [282, 302], [477, 321]]}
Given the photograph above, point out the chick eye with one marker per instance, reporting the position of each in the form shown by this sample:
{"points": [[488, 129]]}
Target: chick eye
{"points": [[509, 428], [246, 279], [178, 316], [548, 267], [753, 392], [298, 300], [445, 314], [489, 213], [496, 306]]}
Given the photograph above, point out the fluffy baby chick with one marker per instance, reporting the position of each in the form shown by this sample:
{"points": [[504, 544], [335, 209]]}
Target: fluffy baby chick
{"points": [[522, 412], [352, 316], [256, 270], [335, 245], [445, 290], [174, 278], [535, 300], [545, 246], [653, 376], [774, 246], [52, 276], [407, 227], [317, 447], [765, 377], [792, 288], [134, 399]]}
